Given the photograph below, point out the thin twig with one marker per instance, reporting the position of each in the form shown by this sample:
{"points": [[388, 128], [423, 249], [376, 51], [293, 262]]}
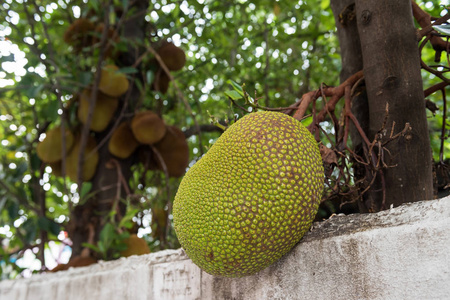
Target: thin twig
{"points": [[444, 123], [180, 95], [166, 173], [336, 93], [93, 99]]}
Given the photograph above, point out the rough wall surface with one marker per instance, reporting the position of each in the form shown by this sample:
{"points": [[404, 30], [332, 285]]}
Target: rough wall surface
{"points": [[401, 253]]}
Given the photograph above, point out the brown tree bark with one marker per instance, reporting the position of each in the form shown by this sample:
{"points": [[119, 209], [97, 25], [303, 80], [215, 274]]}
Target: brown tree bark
{"points": [[379, 37], [110, 182], [344, 12], [392, 74]]}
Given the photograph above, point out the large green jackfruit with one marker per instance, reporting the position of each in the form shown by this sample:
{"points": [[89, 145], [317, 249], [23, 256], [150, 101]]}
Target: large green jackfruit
{"points": [[252, 197]]}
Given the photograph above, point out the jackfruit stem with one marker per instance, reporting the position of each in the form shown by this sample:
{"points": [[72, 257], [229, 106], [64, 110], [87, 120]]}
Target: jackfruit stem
{"points": [[215, 121]]}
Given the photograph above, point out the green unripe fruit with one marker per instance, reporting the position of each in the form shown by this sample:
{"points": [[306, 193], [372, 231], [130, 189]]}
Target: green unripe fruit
{"points": [[252, 197]]}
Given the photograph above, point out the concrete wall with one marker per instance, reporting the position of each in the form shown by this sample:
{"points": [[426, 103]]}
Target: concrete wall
{"points": [[401, 253]]}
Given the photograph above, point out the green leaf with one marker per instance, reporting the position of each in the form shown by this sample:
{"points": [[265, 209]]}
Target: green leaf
{"points": [[2, 202], [13, 210], [325, 4], [48, 225], [6, 58], [101, 247], [34, 91], [124, 235], [443, 29], [43, 223], [85, 78], [85, 189], [29, 226], [35, 162], [234, 95], [307, 121], [127, 219], [22, 168], [107, 234], [128, 70], [121, 247], [55, 228], [49, 112], [150, 76], [90, 246], [236, 87]]}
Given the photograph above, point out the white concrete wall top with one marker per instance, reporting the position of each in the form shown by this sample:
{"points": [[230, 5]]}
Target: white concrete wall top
{"points": [[401, 253]]}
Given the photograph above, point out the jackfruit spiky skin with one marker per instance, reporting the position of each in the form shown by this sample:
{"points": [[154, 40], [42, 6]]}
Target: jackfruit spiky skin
{"points": [[252, 197]]}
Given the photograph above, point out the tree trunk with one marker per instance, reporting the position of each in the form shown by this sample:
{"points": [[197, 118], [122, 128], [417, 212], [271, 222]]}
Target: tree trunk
{"points": [[108, 184], [379, 37], [351, 56], [392, 74]]}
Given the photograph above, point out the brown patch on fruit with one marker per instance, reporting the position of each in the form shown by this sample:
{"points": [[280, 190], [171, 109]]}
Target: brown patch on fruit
{"points": [[210, 256]]}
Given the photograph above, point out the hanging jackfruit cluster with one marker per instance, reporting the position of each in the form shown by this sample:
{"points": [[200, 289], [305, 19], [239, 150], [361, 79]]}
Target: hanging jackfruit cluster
{"points": [[169, 149], [50, 151], [84, 35], [167, 144]]}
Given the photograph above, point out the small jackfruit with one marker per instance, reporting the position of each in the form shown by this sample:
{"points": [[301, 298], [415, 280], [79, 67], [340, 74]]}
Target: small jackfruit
{"points": [[75, 262], [56, 168], [91, 158], [135, 246], [112, 82], [50, 149], [161, 82], [148, 128], [122, 143], [174, 151], [251, 197], [79, 34], [172, 56], [104, 109]]}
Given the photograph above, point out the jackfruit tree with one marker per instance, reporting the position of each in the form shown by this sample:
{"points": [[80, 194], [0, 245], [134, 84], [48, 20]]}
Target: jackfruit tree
{"points": [[105, 105]]}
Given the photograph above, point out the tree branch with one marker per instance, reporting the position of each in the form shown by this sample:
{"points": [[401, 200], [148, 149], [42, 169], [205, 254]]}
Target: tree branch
{"points": [[203, 128], [424, 20]]}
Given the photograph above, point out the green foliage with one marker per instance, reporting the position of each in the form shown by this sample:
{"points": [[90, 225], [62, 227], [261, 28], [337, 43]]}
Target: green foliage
{"points": [[112, 236]]}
